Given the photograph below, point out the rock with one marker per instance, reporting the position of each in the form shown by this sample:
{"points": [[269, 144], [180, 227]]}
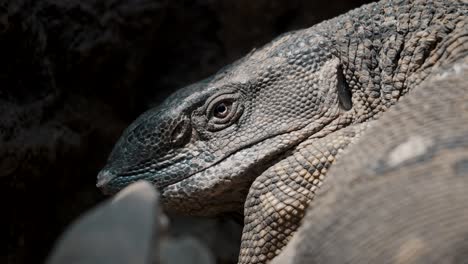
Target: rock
{"points": [[131, 228], [125, 229], [185, 250]]}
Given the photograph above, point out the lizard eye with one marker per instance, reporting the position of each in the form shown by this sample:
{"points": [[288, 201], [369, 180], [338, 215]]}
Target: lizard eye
{"points": [[222, 109]]}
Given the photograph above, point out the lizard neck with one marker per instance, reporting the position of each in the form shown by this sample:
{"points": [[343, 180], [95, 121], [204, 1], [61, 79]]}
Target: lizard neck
{"points": [[385, 53]]}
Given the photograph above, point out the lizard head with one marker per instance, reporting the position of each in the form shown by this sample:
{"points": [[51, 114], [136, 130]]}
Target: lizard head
{"points": [[203, 147]]}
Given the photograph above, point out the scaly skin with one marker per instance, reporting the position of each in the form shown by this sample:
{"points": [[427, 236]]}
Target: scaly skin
{"points": [[399, 194], [260, 135]]}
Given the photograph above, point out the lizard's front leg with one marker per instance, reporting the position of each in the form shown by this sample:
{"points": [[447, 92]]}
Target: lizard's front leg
{"points": [[279, 197]]}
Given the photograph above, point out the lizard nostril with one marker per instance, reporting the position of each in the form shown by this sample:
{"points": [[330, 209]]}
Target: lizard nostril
{"points": [[181, 133]]}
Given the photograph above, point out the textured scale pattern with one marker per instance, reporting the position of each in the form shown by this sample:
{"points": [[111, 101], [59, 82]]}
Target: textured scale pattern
{"points": [[294, 106], [398, 194], [282, 193]]}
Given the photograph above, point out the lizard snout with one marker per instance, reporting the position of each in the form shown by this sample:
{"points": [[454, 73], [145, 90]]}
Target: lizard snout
{"points": [[103, 178]]}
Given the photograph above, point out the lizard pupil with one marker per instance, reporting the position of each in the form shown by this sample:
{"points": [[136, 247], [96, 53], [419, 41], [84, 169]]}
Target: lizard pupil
{"points": [[221, 110]]}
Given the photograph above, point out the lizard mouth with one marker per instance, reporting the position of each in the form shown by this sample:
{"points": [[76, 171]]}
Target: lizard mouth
{"points": [[110, 183], [262, 156]]}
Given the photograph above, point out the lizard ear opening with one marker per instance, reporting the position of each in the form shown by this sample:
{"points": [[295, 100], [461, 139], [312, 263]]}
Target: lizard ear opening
{"points": [[344, 93]]}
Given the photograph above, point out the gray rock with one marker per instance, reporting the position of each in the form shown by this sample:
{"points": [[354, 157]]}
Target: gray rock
{"points": [[122, 230], [185, 250]]}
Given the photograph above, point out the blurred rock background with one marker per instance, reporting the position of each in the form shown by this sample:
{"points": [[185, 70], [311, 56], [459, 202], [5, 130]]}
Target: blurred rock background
{"points": [[75, 73]]}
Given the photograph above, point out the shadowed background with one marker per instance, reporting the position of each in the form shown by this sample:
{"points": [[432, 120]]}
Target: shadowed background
{"points": [[75, 73]]}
